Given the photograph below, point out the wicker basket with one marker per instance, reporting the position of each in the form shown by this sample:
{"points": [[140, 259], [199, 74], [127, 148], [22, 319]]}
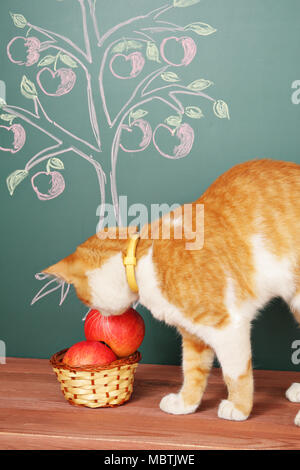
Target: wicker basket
{"points": [[96, 386]]}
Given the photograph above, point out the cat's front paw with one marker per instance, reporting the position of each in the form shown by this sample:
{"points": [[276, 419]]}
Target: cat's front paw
{"points": [[174, 404], [227, 410], [293, 393], [297, 419]]}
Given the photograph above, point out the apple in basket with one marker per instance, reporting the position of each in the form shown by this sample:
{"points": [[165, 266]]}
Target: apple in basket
{"points": [[122, 333], [88, 353]]}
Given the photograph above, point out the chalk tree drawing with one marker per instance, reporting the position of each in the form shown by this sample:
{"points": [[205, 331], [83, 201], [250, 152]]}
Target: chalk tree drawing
{"points": [[134, 42]]}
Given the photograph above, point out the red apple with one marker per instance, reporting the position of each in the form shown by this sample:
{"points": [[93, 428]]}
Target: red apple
{"points": [[189, 50], [32, 47], [57, 185], [66, 76], [19, 137], [122, 333], [145, 127], [87, 353], [136, 60], [185, 135]]}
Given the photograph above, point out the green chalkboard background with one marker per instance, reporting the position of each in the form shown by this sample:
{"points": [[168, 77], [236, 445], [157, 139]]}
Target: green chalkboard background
{"points": [[253, 61]]}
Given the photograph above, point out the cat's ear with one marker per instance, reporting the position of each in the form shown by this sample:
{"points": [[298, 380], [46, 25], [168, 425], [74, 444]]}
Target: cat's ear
{"points": [[63, 270]]}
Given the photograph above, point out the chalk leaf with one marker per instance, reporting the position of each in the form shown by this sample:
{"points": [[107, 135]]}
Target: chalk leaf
{"points": [[7, 117], [200, 84], [47, 60], [184, 3], [193, 112], [138, 114], [126, 45], [28, 88], [152, 52], [170, 77], [203, 29], [56, 163], [18, 20], [221, 109], [68, 60], [14, 179], [174, 121]]}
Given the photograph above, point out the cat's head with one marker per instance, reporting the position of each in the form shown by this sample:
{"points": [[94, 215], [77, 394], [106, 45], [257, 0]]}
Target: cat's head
{"points": [[97, 272]]}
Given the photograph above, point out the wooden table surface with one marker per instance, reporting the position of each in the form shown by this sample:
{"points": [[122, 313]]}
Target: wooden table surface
{"points": [[35, 415]]}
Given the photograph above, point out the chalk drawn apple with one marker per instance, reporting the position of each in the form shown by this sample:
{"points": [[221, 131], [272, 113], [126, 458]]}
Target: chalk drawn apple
{"points": [[57, 185], [32, 47], [19, 137], [189, 50], [184, 133], [67, 80], [145, 127], [137, 63]]}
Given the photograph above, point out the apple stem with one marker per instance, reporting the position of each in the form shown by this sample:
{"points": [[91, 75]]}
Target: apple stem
{"points": [[48, 166], [56, 59], [28, 31]]}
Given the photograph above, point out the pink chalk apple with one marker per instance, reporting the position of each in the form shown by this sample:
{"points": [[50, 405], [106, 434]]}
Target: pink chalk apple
{"points": [[145, 127], [67, 80], [189, 49], [19, 137], [184, 133], [32, 47], [89, 353], [57, 185], [122, 333], [137, 63]]}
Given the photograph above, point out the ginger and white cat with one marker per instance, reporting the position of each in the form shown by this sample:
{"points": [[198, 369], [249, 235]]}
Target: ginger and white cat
{"points": [[251, 254]]}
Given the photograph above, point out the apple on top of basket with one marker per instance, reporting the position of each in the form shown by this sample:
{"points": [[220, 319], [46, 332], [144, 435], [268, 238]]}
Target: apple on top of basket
{"points": [[122, 333], [107, 339]]}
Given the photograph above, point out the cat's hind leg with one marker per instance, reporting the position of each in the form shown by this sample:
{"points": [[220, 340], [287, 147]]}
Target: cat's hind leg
{"points": [[197, 362], [233, 349], [293, 392]]}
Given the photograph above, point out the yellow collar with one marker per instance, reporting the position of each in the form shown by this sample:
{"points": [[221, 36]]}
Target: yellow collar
{"points": [[130, 262]]}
